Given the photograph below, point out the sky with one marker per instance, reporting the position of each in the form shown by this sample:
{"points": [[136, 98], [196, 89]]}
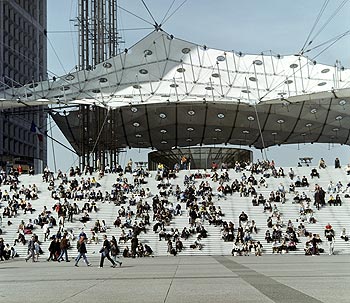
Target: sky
{"points": [[250, 26]]}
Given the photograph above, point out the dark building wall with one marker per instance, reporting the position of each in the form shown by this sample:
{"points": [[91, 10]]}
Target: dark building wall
{"points": [[23, 60]]}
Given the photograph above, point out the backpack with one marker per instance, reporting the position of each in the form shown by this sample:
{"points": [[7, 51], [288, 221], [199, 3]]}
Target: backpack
{"points": [[115, 250]]}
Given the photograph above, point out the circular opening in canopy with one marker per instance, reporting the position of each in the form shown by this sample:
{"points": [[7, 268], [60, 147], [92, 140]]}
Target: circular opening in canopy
{"points": [[221, 116], [32, 85], [143, 71], [191, 112], [107, 65], [64, 88], [257, 62], [70, 77]]}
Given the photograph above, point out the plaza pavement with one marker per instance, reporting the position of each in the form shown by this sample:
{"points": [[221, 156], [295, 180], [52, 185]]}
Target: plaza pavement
{"points": [[282, 278]]}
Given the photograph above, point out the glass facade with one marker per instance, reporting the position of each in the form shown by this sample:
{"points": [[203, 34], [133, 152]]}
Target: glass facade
{"points": [[198, 157], [23, 60]]}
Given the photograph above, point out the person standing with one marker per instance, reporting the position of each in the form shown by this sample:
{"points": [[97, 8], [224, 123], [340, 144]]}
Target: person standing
{"points": [[337, 163], [46, 229], [329, 234], [81, 252], [134, 245], [105, 250], [70, 213], [2, 249]]}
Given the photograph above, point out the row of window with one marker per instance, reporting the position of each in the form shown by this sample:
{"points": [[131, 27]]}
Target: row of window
{"points": [[18, 134], [14, 41], [19, 72], [20, 39], [30, 6], [12, 146]]}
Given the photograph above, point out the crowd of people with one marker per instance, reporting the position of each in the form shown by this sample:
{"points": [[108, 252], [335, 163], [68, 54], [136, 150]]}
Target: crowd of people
{"points": [[78, 197]]}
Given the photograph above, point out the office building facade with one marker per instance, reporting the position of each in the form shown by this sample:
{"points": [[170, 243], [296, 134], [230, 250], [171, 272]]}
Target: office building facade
{"points": [[23, 61]]}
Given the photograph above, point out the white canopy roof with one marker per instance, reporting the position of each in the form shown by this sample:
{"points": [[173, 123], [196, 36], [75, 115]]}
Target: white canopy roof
{"points": [[161, 68], [167, 92]]}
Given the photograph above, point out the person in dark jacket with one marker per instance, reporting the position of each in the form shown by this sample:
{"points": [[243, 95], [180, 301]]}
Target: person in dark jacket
{"points": [[134, 245], [115, 251], [81, 251], [2, 248], [64, 249], [53, 249], [105, 250]]}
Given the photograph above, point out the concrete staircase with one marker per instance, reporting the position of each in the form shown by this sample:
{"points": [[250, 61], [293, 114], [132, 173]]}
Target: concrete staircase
{"points": [[231, 206]]}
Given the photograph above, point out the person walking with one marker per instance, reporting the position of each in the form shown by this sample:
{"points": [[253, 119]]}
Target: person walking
{"points": [[37, 250], [105, 250], [115, 251], [81, 252], [53, 249], [31, 249], [64, 249]]}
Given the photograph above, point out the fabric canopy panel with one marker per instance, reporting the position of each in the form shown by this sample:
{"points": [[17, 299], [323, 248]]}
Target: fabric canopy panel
{"points": [[185, 124], [161, 68], [165, 92]]}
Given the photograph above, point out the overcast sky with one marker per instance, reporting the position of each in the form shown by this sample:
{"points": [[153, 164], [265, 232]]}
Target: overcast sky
{"points": [[249, 26]]}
